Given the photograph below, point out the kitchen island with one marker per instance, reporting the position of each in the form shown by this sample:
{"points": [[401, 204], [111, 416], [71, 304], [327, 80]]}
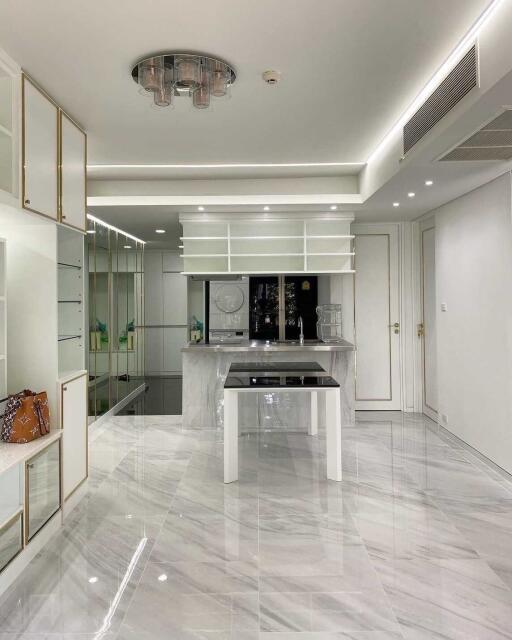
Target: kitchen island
{"points": [[205, 367]]}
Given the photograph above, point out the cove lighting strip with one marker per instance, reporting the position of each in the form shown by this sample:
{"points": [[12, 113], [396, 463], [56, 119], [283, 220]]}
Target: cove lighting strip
{"points": [[242, 165], [110, 226], [450, 62]]}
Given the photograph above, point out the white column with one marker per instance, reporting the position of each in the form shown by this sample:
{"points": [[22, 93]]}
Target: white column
{"points": [[230, 435], [333, 433], [313, 424]]}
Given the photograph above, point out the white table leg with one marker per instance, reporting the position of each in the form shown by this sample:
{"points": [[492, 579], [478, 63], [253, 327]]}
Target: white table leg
{"points": [[333, 433], [313, 424], [230, 435]]}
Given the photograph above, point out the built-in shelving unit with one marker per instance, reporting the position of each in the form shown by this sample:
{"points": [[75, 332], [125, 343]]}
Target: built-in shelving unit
{"points": [[70, 291], [316, 244]]}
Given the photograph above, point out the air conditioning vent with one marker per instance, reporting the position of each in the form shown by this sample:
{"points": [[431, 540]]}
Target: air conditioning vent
{"points": [[457, 84], [492, 142]]}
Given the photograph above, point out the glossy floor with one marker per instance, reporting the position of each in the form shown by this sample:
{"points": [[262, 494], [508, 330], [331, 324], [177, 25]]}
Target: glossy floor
{"points": [[414, 544]]}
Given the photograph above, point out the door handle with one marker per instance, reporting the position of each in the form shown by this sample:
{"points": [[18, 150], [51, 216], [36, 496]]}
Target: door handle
{"points": [[395, 326], [421, 329]]}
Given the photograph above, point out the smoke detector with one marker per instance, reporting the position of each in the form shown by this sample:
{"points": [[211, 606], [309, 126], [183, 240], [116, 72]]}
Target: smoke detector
{"points": [[271, 77]]}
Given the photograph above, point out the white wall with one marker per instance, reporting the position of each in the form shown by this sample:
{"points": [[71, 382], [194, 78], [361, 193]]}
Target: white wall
{"points": [[31, 302], [474, 339]]}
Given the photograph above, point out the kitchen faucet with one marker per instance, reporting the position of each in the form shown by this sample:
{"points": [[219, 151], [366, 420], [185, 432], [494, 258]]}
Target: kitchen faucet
{"points": [[301, 327]]}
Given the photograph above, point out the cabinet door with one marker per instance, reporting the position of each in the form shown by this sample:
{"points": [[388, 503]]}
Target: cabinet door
{"points": [[43, 488], [73, 173], [174, 340], [74, 437], [40, 152], [11, 540], [153, 349], [153, 307], [175, 298]]}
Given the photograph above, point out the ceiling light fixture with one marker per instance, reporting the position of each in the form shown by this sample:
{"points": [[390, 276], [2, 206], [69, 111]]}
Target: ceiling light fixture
{"points": [[162, 577], [193, 75], [93, 579], [429, 183], [396, 204], [229, 165], [126, 235], [333, 207], [126, 246], [411, 194], [200, 208], [159, 230], [266, 208]]}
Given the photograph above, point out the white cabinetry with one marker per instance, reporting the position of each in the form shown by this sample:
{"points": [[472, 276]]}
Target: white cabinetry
{"points": [[9, 99], [3, 321], [54, 159], [320, 243], [72, 173], [40, 151], [74, 432], [166, 312]]}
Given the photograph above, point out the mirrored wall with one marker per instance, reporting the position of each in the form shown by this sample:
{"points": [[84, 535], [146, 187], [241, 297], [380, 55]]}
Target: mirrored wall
{"points": [[116, 316]]}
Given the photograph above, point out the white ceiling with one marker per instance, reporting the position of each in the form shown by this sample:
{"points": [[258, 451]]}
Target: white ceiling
{"points": [[349, 68]]}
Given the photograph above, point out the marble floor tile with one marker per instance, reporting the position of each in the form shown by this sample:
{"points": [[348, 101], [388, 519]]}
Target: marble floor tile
{"points": [[414, 544]]}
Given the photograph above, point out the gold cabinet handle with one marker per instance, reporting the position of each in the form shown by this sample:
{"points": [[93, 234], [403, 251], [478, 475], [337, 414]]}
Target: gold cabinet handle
{"points": [[395, 326]]}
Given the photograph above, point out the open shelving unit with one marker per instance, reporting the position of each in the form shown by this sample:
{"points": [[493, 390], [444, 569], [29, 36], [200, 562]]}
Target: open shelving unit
{"points": [[70, 296], [250, 246]]}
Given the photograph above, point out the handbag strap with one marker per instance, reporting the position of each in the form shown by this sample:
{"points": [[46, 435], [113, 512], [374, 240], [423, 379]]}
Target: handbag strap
{"points": [[43, 425]]}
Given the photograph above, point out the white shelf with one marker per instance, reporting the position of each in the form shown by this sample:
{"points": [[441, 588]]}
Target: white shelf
{"points": [[270, 273], [308, 236], [263, 255], [267, 237], [329, 254], [204, 255]]}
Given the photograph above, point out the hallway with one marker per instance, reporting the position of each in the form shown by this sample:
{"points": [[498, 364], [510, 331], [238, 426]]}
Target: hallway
{"points": [[416, 543]]}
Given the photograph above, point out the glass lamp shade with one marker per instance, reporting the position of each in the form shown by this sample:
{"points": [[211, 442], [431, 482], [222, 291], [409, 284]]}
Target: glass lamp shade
{"points": [[162, 97], [151, 72], [187, 73], [201, 96], [220, 78]]}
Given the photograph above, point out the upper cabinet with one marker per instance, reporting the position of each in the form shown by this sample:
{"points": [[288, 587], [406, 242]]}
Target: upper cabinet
{"points": [[73, 146], [9, 101], [54, 151], [40, 156]]}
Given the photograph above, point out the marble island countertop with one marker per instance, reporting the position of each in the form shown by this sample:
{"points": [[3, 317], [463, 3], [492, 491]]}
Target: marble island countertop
{"points": [[264, 346]]}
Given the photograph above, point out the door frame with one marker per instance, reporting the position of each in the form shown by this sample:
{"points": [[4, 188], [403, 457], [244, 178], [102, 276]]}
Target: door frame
{"points": [[385, 228], [419, 225]]}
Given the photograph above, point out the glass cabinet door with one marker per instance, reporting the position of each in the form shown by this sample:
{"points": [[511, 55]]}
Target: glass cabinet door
{"points": [[43, 487], [11, 540]]}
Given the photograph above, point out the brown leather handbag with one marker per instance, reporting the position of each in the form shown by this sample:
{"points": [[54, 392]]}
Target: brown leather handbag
{"points": [[26, 417]]}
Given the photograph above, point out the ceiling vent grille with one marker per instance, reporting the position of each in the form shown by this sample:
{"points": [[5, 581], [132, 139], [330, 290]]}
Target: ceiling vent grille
{"points": [[458, 83], [492, 142]]}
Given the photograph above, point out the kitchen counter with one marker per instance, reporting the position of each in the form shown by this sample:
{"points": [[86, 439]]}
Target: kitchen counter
{"points": [[205, 368], [262, 345]]}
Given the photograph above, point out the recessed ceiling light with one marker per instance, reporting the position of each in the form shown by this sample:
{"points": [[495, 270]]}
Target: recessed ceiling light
{"points": [[126, 246], [429, 183], [93, 579], [396, 204], [91, 231], [162, 577], [159, 230], [200, 208], [266, 208], [334, 207], [411, 194]]}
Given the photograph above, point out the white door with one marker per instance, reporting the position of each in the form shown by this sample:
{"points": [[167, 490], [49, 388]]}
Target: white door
{"points": [[73, 169], [377, 317], [40, 171], [74, 425], [428, 328]]}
